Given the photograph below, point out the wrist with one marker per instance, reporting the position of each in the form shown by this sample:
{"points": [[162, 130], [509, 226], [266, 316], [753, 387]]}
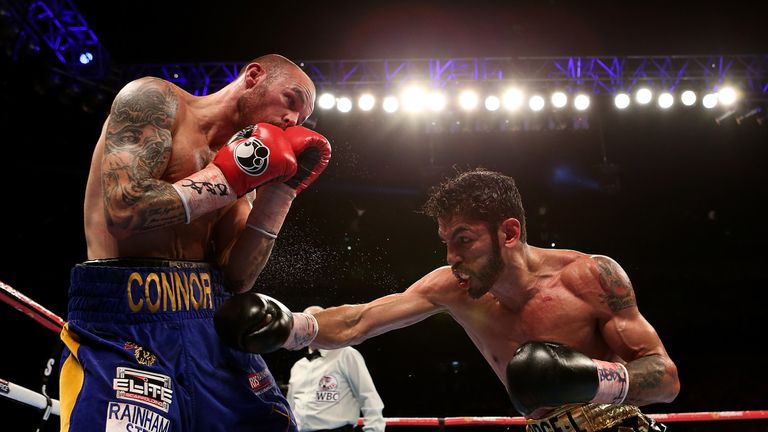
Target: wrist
{"points": [[303, 332], [204, 191], [613, 382], [270, 208]]}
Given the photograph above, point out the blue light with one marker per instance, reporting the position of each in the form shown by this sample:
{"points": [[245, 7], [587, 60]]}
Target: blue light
{"points": [[86, 57]]}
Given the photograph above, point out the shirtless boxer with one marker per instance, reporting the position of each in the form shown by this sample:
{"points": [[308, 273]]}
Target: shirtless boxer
{"points": [[184, 200], [560, 328]]}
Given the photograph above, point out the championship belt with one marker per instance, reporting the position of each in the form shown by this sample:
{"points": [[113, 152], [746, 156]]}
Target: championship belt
{"points": [[583, 418]]}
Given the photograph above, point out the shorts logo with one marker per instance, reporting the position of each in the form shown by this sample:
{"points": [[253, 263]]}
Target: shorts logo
{"points": [[327, 389], [123, 417], [260, 381], [145, 387], [143, 356]]}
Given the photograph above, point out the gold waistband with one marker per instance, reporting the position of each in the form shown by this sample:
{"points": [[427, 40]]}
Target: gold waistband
{"points": [[583, 418]]}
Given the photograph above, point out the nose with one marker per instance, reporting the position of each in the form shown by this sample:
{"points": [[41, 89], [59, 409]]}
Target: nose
{"points": [[290, 119], [451, 257]]}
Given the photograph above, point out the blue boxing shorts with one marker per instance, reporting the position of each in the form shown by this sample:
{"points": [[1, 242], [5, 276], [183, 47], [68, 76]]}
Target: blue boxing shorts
{"points": [[142, 354]]}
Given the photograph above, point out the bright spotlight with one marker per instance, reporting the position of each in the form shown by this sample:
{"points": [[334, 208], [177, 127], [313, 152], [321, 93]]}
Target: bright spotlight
{"points": [[492, 103], [390, 104], [468, 100], [513, 99], [643, 96], [726, 96], [559, 99], [436, 101], [86, 57], [688, 97], [536, 103], [665, 100], [326, 101], [344, 104], [366, 102], [621, 101], [581, 102], [413, 99], [709, 100]]}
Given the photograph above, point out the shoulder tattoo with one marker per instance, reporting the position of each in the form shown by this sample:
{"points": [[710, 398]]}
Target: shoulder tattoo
{"points": [[617, 289]]}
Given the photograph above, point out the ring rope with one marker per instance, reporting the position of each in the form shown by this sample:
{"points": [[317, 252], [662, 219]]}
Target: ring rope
{"points": [[53, 322]]}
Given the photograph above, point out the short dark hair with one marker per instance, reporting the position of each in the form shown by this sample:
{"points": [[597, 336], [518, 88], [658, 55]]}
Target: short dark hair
{"points": [[478, 194]]}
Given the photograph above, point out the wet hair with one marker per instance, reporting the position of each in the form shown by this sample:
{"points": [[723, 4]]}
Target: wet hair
{"points": [[480, 195]]}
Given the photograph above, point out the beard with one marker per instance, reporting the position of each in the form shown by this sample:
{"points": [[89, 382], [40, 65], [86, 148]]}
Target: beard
{"points": [[487, 274]]}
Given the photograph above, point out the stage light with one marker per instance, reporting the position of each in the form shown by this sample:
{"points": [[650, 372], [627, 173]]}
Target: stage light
{"points": [[621, 101], [749, 114], [492, 103], [468, 100], [86, 57], [366, 102], [709, 100], [390, 104], [326, 101], [688, 98], [559, 99], [513, 99], [536, 103], [726, 96], [436, 101], [643, 96], [665, 100], [581, 102], [344, 104], [413, 99]]}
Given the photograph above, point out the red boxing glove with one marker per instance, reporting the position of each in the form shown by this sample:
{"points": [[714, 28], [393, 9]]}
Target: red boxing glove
{"points": [[254, 156], [312, 150]]}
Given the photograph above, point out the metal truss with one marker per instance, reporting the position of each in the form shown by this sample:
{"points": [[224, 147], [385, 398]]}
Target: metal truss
{"points": [[597, 75], [58, 25]]}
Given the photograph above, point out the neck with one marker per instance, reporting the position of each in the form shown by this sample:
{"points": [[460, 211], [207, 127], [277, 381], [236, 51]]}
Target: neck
{"points": [[215, 115], [523, 269]]}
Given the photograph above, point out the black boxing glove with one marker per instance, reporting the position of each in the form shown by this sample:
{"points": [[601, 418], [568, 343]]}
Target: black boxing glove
{"points": [[546, 374], [259, 324]]}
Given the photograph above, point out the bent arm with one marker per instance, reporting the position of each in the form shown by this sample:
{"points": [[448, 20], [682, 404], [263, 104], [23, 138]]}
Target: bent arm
{"points": [[243, 252], [136, 154], [652, 373], [351, 324]]}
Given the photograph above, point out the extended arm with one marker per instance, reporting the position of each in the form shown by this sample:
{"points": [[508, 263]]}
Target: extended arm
{"points": [[352, 324]]}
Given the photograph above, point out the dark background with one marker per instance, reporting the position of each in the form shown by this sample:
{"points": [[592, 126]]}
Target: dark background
{"points": [[684, 212]]}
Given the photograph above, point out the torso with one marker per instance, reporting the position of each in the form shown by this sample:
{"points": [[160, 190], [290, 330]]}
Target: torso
{"points": [[557, 310], [191, 152]]}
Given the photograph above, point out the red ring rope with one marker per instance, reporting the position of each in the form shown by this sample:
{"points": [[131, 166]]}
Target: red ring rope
{"points": [[53, 322]]}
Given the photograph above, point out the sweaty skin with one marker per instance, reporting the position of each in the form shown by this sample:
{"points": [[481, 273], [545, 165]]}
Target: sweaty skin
{"points": [[584, 301], [157, 134]]}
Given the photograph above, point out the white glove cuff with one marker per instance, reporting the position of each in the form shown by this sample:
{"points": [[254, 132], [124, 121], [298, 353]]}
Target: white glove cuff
{"points": [[613, 382], [303, 332], [204, 191]]}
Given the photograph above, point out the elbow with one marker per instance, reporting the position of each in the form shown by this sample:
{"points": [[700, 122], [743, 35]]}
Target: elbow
{"points": [[674, 387], [119, 224]]}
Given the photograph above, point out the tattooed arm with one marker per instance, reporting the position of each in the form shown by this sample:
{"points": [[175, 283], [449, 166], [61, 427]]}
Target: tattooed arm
{"points": [[136, 154], [652, 374]]}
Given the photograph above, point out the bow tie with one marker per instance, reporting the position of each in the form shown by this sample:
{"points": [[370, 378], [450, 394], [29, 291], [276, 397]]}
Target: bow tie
{"points": [[312, 355]]}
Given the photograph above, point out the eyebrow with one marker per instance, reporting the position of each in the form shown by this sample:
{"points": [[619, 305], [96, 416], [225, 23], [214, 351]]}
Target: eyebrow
{"points": [[455, 232]]}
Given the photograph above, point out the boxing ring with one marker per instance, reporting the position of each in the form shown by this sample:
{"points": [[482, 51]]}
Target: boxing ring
{"points": [[50, 406]]}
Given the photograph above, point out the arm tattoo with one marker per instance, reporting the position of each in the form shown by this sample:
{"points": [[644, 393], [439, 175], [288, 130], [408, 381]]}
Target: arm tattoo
{"points": [[136, 154], [647, 376], [617, 289]]}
